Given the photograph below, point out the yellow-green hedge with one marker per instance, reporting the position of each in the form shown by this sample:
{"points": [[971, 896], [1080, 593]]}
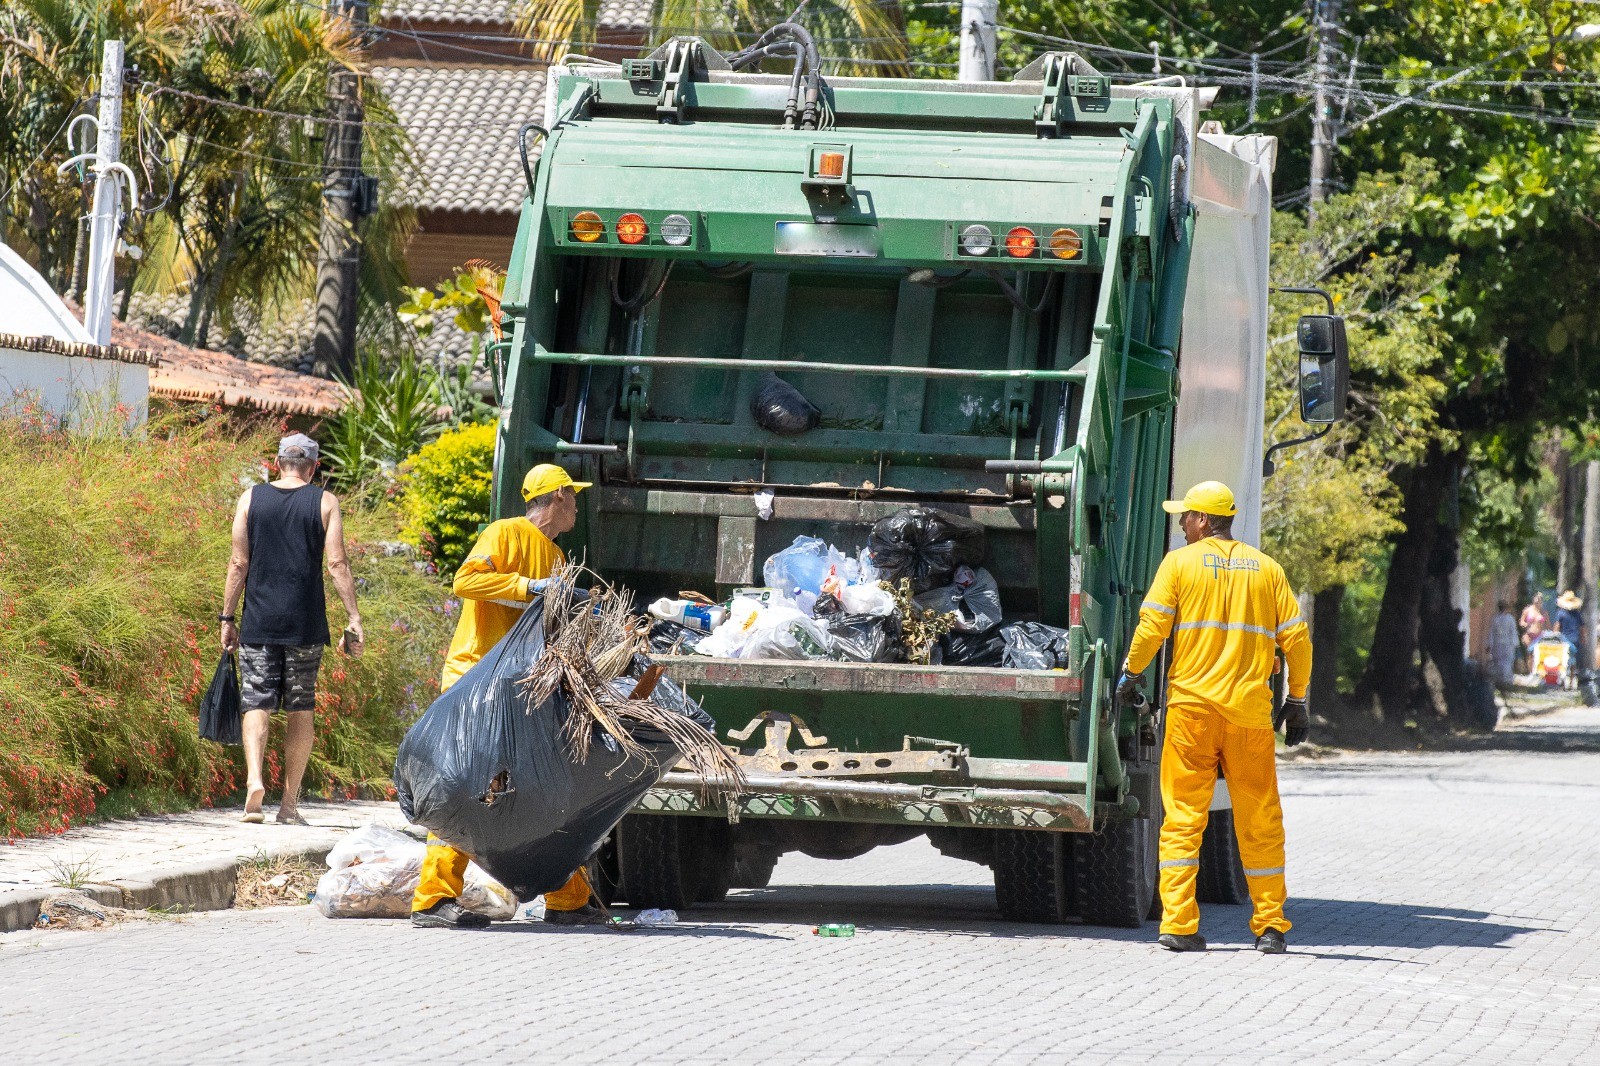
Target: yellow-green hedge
{"points": [[445, 495]]}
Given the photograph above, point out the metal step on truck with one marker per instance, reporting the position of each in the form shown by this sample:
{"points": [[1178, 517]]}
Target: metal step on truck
{"points": [[1037, 304]]}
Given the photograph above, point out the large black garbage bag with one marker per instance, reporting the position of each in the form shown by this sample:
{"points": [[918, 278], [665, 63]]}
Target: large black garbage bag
{"points": [[489, 772], [781, 408], [987, 648], [924, 545], [865, 638], [220, 712]]}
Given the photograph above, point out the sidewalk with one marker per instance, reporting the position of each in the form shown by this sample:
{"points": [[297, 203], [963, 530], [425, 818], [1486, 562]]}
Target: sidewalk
{"points": [[189, 861]]}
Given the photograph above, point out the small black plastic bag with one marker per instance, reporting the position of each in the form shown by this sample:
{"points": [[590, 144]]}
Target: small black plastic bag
{"points": [[865, 638], [924, 545], [220, 711], [780, 408], [973, 649], [674, 638], [1035, 646]]}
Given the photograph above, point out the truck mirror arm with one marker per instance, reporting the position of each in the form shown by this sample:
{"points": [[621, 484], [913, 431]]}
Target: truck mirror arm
{"points": [[1268, 467]]}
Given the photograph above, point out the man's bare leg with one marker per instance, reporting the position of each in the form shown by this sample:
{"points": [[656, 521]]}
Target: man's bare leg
{"points": [[296, 753], [254, 729]]}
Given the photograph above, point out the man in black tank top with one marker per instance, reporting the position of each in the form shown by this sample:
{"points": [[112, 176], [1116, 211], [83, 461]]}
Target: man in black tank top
{"points": [[282, 533]]}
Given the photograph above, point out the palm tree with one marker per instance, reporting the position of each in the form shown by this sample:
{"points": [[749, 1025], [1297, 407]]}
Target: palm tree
{"points": [[855, 36]]}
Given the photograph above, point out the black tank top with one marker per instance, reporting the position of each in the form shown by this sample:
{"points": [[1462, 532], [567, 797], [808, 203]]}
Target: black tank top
{"points": [[283, 597]]}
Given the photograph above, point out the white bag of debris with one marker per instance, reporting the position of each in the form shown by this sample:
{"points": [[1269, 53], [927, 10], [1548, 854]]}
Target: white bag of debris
{"points": [[373, 873]]}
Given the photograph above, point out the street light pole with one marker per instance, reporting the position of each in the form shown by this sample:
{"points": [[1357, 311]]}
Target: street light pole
{"points": [[978, 19], [107, 198]]}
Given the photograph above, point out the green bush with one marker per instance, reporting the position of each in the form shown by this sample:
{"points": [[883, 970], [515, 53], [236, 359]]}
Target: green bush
{"points": [[445, 494], [112, 559]]}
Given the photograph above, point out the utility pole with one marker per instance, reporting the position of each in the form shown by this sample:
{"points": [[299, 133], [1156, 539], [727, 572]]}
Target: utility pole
{"points": [[978, 19], [339, 254], [1324, 128], [102, 277]]}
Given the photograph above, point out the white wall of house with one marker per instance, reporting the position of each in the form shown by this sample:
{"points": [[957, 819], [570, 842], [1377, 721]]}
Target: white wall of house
{"points": [[77, 390]]}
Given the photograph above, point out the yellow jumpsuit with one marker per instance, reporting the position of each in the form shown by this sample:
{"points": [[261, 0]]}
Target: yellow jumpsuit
{"points": [[1226, 605], [493, 584]]}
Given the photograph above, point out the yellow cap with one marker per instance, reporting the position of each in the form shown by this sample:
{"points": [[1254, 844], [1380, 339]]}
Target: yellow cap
{"points": [[547, 477], [1208, 497]]}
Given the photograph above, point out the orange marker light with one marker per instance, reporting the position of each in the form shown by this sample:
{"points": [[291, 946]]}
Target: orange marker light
{"points": [[830, 165], [632, 229], [1065, 244], [587, 227], [1021, 242]]}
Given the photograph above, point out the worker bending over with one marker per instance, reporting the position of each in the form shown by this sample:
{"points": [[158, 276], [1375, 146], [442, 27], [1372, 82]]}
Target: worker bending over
{"points": [[509, 565], [1226, 605]]}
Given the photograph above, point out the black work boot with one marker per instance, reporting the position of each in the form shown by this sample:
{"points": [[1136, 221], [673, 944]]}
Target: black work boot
{"points": [[1271, 943], [1182, 941], [448, 914], [588, 914]]}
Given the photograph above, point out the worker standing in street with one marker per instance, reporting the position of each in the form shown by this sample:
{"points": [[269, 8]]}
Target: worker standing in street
{"points": [[510, 564], [1226, 606]]}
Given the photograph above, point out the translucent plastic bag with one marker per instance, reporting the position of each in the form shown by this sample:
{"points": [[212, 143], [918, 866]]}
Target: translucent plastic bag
{"points": [[374, 872], [866, 599], [973, 597], [784, 632], [805, 565], [780, 408]]}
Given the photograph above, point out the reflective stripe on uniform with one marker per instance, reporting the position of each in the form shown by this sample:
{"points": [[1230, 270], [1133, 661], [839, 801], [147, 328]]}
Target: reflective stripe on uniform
{"points": [[1151, 605], [1265, 871], [1242, 627], [1167, 864], [517, 604], [1290, 624]]}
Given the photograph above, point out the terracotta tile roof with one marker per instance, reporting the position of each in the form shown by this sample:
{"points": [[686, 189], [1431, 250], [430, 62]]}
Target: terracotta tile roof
{"points": [[203, 376], [463, 123], [120, 349], [464, 11]]}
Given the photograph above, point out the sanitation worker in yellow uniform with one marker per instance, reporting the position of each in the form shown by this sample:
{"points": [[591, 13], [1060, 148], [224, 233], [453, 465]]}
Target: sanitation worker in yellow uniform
{"points": [[508, 566], [1226, 606]]}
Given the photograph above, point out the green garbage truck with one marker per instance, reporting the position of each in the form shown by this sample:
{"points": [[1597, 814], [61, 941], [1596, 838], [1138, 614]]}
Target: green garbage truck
{"points": [[1038, 305]]}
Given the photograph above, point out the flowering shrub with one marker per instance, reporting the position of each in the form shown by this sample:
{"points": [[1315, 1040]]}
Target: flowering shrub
{"points": [[445, 494], [112, 558]]}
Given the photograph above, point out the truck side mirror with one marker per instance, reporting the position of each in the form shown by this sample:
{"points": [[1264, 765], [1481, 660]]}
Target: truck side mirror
{"points": [[1324, 368]]}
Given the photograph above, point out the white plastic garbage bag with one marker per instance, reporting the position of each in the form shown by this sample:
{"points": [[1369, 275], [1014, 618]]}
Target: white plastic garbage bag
{"points": [[374, 872], [867, 599]]}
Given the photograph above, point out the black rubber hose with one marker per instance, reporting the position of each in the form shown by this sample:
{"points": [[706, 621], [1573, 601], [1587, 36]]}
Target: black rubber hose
{"points": [[522, 146]]}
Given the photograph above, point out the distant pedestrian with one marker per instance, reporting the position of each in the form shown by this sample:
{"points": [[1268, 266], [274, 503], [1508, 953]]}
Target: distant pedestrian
{"points": [[1569, 618], [1534, 621], [282, 532], [1504, 641]]}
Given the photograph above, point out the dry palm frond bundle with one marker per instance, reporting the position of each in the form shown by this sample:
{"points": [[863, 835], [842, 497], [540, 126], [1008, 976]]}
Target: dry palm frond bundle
{"points": [[595, 656], [919, 627]]}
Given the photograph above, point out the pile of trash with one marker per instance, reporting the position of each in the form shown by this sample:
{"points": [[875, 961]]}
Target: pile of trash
{"points": [[373, 873], [530, 759], [916, 593]]}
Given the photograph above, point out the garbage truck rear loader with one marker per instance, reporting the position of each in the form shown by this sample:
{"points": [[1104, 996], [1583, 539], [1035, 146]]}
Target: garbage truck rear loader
{"points": [[982, 290]]}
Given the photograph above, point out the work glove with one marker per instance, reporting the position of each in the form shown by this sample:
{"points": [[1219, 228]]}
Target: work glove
{"points": [[1128, 686], [1294, 717]]}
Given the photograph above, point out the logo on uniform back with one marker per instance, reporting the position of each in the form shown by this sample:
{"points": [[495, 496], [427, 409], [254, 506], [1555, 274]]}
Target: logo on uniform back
{"points": [[1218, 563]]}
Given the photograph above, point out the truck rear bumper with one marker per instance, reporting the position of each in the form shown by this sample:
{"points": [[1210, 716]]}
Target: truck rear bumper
{"points": [[826, 799]]}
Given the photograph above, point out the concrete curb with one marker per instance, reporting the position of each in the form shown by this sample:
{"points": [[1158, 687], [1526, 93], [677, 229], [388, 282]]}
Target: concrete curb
{"points": [[201, 886]]}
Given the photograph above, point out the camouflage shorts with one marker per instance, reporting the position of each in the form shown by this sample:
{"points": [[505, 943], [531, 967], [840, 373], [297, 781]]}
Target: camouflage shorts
{"points": [[274, 675]]}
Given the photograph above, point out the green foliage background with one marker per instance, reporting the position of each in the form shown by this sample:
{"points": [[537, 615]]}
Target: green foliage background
{"points": [[445, 495]]}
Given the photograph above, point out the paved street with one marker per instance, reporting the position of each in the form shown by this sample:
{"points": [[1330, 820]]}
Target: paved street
{"points": [[1445, 907]]}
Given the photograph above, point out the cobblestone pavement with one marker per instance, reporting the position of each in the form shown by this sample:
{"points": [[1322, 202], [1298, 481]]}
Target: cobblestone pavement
{"points": [[1445, 909]]}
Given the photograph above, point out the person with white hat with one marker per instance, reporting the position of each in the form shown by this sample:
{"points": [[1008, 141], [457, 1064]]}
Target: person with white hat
{"points": [[510, 564], [1228, 608]]}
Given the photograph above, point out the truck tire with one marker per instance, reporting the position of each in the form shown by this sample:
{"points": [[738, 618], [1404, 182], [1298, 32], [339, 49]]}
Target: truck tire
{"points": [[1221, 877], [1030, 882], [603, 875], [650, 858], [713, 857], [753, 865], [1115, 872]]}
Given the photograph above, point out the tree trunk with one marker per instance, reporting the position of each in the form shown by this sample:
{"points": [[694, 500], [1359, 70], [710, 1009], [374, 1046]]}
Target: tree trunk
{"points": [[1591, 561], [1566, 535], [1325, 608], [1391, 667]]}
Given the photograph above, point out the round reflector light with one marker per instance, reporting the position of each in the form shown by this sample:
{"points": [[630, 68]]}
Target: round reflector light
{"points": [[587, 227], [676, 230], [977, 240], [632, 229], [1065, 244], [1021, 242]]}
